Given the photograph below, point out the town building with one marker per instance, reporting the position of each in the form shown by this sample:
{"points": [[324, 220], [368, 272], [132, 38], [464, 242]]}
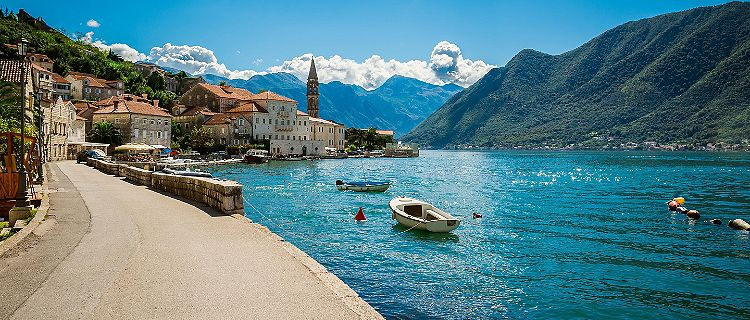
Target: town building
{"points": [[41, 60], [85, 86], [189, 118], [330, 133], [42, 80], [59, 116], [287, 129], [146, 69], [138, 119], [85, 110], [230, 128], [60, 87], [217, 98]]}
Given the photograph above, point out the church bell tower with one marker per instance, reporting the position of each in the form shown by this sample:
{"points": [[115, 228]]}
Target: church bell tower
{"points": [[312, 91]]}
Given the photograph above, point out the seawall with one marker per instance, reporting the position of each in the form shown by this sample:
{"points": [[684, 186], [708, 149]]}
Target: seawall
{"points": [[225, 196]]}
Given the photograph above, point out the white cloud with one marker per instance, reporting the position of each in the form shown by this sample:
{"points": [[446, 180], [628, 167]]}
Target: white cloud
{"points": [[120, 49], [93, 23], [195, 60], [446, 65]]}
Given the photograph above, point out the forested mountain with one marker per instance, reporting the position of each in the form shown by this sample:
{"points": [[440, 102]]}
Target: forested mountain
{"points": [[399, 104], [676, 78]]}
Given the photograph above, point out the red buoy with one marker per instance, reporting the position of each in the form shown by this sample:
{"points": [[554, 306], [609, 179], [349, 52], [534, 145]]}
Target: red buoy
{"points": [[672, 205], [360, 215]]}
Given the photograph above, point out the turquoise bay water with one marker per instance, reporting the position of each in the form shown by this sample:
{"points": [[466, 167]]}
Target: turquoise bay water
{"points": [[565, 234]]}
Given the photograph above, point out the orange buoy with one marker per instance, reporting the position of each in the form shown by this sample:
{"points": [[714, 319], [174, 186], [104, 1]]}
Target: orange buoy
{"points": [[360, 215], [672, 205]]}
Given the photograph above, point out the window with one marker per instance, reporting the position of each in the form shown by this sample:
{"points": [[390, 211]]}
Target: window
{"points": [[242, 122], [222, 131], [158, 134], [135, 133], [144, 120], [117, 120], [152, 121]]}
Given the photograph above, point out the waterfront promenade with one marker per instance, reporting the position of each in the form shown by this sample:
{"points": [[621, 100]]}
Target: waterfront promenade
{"points": [[111, 249]]}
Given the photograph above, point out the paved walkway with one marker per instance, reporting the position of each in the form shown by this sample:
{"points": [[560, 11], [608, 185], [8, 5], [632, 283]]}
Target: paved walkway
{"points": [[111, 249]]}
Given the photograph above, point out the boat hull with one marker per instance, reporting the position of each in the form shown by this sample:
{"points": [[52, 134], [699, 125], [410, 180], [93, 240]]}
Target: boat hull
{"points": [[363, 186], [372, 188], [438, 226], [255, 159]]}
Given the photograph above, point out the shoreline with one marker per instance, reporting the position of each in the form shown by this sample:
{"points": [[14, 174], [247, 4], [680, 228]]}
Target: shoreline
{"points": [[144, 242]]}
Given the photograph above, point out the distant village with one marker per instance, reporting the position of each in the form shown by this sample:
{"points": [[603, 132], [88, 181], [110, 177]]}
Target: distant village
{"points": [[73, 103]]}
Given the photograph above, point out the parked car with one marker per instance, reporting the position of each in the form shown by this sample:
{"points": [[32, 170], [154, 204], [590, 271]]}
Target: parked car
{"points": [[85, 154]]}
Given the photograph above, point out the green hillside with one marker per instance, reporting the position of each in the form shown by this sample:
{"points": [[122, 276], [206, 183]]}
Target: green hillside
{"points": [[70, 55], [677, 78]]}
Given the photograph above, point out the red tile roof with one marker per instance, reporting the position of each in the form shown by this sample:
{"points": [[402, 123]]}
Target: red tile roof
{"points": [[94, 81], [10, 70], [247, 106], [39, 68], [222, 118], [323, 121], [58, 78], [300, 113], [196, 110], [268, 95], [128, 103], [227, 91], [385, 132]]}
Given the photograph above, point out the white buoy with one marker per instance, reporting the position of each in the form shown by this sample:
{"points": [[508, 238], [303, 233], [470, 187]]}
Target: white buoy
{"points": [[739, 224]]}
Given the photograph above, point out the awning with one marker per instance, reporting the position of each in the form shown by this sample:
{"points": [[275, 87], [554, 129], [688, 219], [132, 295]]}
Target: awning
{"points": [[134, 147], [158, 146]]}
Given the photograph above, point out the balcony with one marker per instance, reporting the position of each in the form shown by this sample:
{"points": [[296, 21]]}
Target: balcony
{"points": [[283, 127], [283, 114]]}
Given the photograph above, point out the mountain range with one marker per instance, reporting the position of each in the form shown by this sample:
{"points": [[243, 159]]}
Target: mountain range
{"points": [[399, 104], [682, 77]]}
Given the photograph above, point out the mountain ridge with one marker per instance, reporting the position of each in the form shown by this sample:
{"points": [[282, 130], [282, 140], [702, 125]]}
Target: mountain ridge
{"points": [[674, 78], [399, 104]]}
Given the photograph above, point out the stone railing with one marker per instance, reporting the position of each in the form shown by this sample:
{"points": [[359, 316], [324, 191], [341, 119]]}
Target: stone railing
{"points": [[225, 196]]}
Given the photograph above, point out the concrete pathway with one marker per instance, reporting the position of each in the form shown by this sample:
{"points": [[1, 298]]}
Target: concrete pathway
{"points": [[111, 249]]}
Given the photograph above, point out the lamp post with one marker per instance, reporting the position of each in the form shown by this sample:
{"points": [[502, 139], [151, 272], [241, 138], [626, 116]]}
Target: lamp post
{"points": [[21, 194]]}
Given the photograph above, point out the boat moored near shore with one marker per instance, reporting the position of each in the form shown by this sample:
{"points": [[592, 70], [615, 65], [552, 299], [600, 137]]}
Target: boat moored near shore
{"points": [[417, 214]]}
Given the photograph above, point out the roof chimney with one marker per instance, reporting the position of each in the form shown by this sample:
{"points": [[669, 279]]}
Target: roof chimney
{"points": [[156, 103], [117, 103]]}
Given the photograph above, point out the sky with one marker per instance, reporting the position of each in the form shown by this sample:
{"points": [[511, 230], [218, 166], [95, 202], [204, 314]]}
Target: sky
{"points": [[356, 42]]}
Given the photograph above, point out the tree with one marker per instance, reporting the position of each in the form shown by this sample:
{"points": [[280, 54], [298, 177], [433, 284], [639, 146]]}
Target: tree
{"points": [[156, 81], [201, 139], [105, 132], [222, 83]]}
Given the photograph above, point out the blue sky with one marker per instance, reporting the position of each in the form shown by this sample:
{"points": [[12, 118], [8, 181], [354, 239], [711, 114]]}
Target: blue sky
{"points": [[257, 35]]}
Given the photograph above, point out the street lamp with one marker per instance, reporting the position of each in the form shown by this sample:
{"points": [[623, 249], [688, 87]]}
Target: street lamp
{"points": [[21, 194]]}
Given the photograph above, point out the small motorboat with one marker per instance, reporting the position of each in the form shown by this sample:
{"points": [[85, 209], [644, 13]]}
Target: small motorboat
{"points": [[363, 186], [417, 214], [256, 156], [188, 173]]}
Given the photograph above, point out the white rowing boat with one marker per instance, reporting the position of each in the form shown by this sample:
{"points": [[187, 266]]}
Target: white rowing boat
{"points": [[418, 214]]}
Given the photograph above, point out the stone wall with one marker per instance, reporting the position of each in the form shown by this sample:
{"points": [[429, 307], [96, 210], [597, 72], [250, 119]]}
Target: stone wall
{"points": [[225, 196]]}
